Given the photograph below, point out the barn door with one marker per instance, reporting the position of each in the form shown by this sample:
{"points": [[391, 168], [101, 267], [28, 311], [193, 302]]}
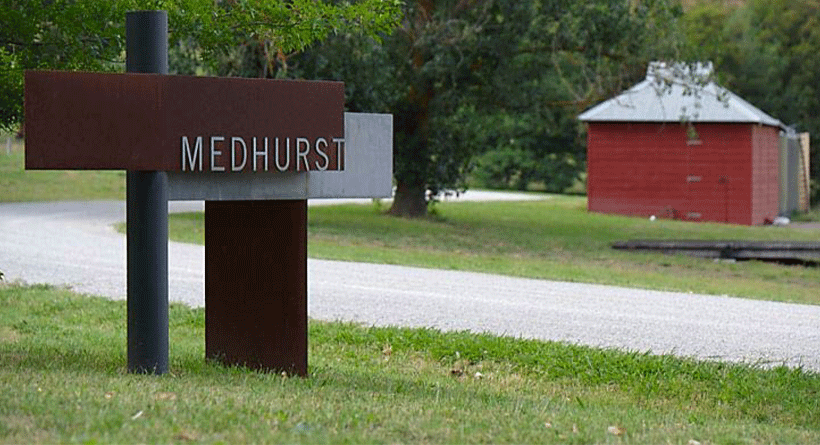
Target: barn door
{"points": [[707, 179]]}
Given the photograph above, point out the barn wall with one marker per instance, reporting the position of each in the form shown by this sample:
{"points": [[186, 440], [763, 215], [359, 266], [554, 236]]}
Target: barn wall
{"points": [[655, 169], [765, 173], [719, 168], [632, 166]]}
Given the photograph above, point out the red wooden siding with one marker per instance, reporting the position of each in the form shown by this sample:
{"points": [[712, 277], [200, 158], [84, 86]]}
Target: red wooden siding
{"points": [[654, 169], [765, 173], [627, 175]]}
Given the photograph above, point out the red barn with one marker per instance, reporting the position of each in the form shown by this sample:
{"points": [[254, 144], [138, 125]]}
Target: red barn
{"points": [[669, 149]]}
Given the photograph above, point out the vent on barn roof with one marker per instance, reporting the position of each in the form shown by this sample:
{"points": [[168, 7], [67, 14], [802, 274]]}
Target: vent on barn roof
{"points": [[678, 92]]}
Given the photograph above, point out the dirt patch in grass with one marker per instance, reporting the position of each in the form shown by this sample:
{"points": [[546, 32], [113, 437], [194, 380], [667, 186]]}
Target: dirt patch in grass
{"points": [[9, 335]]}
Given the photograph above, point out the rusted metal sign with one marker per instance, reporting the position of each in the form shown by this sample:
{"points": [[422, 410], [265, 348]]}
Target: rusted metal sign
{"points": [[150, 122]]}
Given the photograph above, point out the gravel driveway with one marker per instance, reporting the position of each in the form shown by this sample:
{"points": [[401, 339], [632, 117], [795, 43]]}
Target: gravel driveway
{"points": [[73, 244]]}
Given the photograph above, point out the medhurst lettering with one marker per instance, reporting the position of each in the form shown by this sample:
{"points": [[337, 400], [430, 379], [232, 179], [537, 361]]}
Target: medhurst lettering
{"points": [[279, 166], [216, 153], [260, 153], [190, 157], [321, 147], [340, 152], [238, 153], [235, 141], [301, 155]]}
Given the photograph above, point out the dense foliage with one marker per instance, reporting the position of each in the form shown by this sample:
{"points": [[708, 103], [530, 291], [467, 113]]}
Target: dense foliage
{"points": [[90, 34], [502, 79]]}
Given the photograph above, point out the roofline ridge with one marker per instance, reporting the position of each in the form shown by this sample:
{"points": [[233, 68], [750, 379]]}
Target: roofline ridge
{"points": [[673, 102]]}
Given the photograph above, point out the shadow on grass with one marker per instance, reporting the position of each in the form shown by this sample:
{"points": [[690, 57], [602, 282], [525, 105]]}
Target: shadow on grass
{"points": [[45, 357], [39, 358]]}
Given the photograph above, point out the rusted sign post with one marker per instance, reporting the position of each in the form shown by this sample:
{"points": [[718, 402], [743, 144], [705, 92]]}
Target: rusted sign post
{"points": [[255, 150]]}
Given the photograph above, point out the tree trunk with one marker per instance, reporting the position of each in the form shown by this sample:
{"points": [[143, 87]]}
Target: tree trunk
{"points": [[410, 201]]}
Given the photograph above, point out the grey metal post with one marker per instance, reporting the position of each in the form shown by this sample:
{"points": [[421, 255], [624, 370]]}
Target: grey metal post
{"points": [[146, 35]]}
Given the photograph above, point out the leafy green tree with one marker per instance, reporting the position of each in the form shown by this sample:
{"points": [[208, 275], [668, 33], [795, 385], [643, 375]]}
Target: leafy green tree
{"points": [[89, 34], [40, 34], [466, 77], [570, 55]]}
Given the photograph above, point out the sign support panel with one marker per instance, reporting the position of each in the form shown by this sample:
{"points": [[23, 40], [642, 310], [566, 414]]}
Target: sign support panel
{"points": [[256, 284]]}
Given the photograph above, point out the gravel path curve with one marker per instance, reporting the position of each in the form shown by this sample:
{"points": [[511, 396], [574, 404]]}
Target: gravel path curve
{"points": [[73, 244]]}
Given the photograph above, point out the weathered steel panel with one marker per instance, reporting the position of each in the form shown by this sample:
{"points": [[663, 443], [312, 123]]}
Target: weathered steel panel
{"points": [[77, 120], [256, 284]]}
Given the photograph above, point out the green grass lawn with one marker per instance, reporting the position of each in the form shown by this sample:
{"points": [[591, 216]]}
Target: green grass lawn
{"points": [[63, 380], [552, 239], [19, 185]]}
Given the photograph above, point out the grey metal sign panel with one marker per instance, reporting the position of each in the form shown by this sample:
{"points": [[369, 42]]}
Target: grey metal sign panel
{"points": [[368, 171]]}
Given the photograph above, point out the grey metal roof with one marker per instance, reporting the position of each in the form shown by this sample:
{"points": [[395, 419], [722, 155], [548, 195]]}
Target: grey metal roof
{"points": [[671, 94]]}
